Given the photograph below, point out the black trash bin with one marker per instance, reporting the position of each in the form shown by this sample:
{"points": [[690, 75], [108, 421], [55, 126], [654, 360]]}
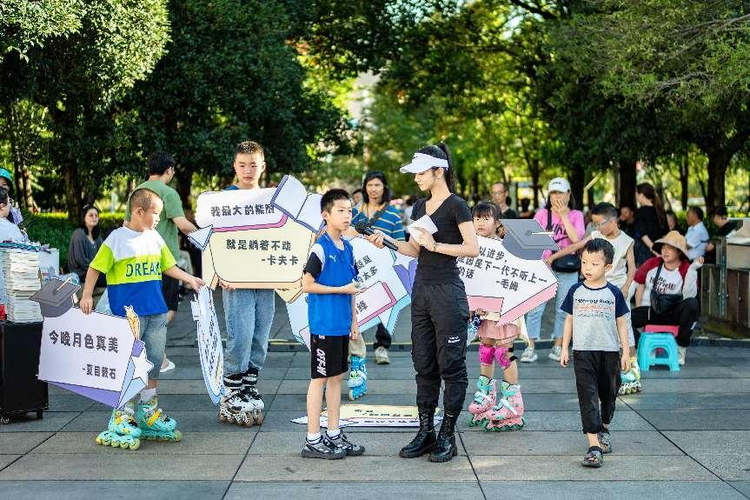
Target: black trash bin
{"points": [[20, 390]]}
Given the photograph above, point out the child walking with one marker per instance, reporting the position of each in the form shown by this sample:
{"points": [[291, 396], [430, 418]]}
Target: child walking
{"points": [[505, 413], [328, 280], [596, 321], [134, 259]]}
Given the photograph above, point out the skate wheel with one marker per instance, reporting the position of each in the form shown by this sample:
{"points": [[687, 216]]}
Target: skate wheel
{"points": [[351, 395], [259, 419], [135, 445], [124, 445], [177, 436], [4, 420], [222, 418]]}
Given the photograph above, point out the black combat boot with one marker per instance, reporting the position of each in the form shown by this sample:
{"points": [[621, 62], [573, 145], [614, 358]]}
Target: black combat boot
{"points": [[424, 441], [445, 448]]}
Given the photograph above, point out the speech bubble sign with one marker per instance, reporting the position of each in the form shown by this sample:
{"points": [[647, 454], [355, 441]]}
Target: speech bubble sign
{"points": [[210, 348], [499, 281], [95, 355]]}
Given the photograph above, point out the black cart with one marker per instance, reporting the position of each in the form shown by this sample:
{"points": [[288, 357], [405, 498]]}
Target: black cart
{"points": [[20, 390]]}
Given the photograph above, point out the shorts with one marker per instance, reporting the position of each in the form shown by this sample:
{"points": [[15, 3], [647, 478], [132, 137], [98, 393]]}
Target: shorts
{"points": [[170, 289], [154, 335], [328, 355]]}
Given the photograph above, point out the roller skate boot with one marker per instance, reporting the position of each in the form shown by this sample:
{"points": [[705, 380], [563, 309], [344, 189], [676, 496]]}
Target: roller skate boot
{"points": [[507, 414], [234, 408], [631, 379], [250, 393], [484, 400], [122, 430], [357, 378], [154, 424]]}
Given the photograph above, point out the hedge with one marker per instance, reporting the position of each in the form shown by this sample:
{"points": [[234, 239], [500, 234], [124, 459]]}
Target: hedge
{"points": [[55, 230]]}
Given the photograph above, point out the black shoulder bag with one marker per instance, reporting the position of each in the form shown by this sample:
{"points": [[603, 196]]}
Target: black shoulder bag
{"points": [[570, 263], [663, 303]]}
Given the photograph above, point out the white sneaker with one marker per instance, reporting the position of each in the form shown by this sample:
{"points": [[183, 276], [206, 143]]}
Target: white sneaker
{"points": [[681, 354], [167, 367], [381, 356], [529, 356], [555, 353]]}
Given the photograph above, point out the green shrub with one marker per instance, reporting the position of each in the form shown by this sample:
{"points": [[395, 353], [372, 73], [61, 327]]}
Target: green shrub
{"points": [[55, 230]]}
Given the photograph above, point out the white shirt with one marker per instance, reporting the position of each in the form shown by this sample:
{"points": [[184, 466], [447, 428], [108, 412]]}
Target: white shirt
{"points": [[618, 275], [697, 239], [671, 282], [9, 231]]}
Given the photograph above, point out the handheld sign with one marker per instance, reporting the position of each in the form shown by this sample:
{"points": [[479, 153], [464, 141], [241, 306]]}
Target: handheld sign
{"points": [[210, 347]]}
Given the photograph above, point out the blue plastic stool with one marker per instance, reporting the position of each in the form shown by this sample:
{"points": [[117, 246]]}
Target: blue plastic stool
{"points": [[647, 346]]}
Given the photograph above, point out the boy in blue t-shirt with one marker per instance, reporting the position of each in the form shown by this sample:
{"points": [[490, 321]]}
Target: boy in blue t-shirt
{"points": [[328, 280], [597, 323]]}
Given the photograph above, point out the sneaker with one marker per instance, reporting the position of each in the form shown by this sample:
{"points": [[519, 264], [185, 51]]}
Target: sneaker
{"points": [[529, 356], [605, 441], [324, 449], [381, 356], [166, 366], [351, 449], [681, 351], [556, 353]]}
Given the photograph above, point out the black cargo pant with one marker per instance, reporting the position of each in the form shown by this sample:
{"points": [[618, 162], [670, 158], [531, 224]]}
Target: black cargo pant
{"points": [[597, 381], [439, 314], [684, 315]]}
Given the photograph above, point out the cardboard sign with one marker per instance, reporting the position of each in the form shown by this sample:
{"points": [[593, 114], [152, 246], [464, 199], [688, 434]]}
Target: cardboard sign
{"points": [[386, 279], [257, 238], [358, 415], [210, 347], [499, 281], [97, 356]]}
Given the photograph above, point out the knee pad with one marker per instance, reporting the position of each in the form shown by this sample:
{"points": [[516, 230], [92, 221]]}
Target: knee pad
{"points": [[500, 357], [486, 353]]}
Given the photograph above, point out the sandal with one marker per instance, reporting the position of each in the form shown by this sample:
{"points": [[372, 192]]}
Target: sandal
{"points": [[605, 441], [593, 458]]}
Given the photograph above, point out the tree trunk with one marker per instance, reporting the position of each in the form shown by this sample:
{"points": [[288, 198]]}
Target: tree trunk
{"points": [[184, 184], [577, 180], [684, 186], [626, 175], [718, 162], [534, 171]]}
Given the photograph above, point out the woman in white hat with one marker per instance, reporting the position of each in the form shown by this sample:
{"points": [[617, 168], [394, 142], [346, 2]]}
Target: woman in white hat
{"points": [[560, 217], [677, 279], [439, 308]]}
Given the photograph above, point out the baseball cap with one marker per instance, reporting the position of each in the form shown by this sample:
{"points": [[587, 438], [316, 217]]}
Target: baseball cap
{"points": [[6, 174], [421, 162], [558, 185]]}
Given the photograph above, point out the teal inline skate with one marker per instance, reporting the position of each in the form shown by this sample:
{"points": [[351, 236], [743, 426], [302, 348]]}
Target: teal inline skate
{"points": [[154, 424], [357, 378], [122, 431]]}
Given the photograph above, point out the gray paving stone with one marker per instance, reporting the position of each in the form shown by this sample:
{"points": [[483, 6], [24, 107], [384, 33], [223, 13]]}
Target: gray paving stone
{"points": [[69, 402], [114, 467], [709, 370], [290, 443], [298, 402], [728, 466], [178, 402], [52, 421], [742, 486], [530, 443], [6, 460], [295, 468], [192, 443], [706, 419], [20, 443], [265, 386], [569, 468], [188, 421], [647, 401], [611, 490], [364, 491], [699, 386], [696, 442], [566, 421], [112, 490]]}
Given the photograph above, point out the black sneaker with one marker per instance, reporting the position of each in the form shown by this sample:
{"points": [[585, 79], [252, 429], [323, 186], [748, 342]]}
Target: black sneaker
{"points": [[351, 449], [324, 449]]}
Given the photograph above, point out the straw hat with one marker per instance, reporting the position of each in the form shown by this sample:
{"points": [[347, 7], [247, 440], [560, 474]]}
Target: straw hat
{"points": [[673, 239]]}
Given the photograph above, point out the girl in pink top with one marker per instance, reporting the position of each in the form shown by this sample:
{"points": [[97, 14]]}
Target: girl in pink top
{"points": [[567, 227]]}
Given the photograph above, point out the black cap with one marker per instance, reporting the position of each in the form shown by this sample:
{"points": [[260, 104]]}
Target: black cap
{"points": [[55, 298], [721, 212], [526, 239]]}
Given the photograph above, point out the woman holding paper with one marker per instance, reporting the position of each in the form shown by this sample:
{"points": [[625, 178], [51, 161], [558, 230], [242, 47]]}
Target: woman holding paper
{"points": [[441, 232]]}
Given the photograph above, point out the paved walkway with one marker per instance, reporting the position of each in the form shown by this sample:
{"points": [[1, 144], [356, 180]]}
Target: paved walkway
{"points": [[686, 436]]}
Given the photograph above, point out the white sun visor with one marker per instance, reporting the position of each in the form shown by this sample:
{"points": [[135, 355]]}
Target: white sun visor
{"points": [[421, 162]]}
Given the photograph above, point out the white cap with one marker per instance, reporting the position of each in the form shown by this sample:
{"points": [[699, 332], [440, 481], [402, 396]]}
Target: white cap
{"points": [[558, 185], [421, 162]]}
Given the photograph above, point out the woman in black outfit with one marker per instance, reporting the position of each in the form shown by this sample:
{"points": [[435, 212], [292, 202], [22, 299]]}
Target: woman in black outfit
{"points": [[650, 222], [439, 309]]}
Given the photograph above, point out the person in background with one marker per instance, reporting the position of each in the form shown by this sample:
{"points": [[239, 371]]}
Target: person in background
{"points": [[724, 228], [84, 244], [8, 230], [6, 181], [357, 198], [697, 234], [526, 211], [672, 223], [650, 222], [500, 199], [627, 220], [408, 208]]}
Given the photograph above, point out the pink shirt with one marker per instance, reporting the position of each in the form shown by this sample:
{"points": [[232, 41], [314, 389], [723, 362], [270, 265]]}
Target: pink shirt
{"points": [[560, 236]]}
